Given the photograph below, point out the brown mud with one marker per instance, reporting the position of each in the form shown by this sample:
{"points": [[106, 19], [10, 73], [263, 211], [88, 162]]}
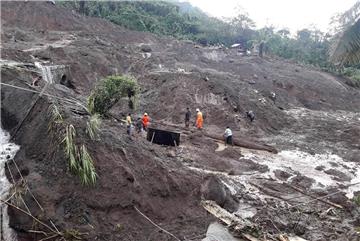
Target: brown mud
{"points": [[313, 122]]}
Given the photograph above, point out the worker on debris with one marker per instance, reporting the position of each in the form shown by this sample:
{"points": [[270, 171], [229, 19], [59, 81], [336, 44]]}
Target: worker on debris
{"points": [[145, 121], [273, 96], [250, 114], [139, 125], [128, 124], [228, 136], [199, 119], [187, 117]]}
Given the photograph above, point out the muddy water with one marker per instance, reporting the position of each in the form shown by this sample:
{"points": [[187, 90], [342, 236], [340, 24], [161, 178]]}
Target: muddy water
{"points": [[7, 152], [324, 134], [296, 162]]}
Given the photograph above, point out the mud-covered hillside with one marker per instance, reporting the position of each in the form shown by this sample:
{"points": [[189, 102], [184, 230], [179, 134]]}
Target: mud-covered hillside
{"points": [[313, 124]]}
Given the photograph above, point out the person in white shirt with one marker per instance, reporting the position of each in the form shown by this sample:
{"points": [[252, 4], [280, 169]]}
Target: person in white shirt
{"points": [[228, 136]]}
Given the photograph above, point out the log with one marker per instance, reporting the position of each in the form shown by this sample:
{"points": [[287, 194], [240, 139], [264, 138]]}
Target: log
{"points": [[236, 224], [315, 198], [242, 142]]}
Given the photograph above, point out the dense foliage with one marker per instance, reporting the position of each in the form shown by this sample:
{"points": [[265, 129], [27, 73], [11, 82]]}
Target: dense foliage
{"points": [[79, 159], [110, 90], [183, 21], [176, 19]]}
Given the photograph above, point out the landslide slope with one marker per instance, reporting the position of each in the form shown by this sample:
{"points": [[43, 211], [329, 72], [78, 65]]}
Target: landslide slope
{"points": [[173, 75]]}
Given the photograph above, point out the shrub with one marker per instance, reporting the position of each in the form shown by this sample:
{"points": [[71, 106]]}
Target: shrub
{"points": [[356, 200], [110, 90], [93, 126], [80, 161], [55, 118]]}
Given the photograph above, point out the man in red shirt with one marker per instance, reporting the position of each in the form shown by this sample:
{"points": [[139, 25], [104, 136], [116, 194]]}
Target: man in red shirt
{"points": [[145, 121]]}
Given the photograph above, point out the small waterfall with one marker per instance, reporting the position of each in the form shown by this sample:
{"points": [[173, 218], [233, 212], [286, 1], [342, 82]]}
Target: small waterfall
{"points": [[7, 152], [46, 72]]}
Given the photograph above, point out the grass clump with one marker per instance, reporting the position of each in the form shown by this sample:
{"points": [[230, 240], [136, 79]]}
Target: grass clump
{"points": [[55, 117], [356, 200], [86, 170], [110, 90], [80, 161], [93, 126]]}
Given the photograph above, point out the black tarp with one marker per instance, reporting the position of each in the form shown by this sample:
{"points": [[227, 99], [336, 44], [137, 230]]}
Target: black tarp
{"points": [[163, 137]]}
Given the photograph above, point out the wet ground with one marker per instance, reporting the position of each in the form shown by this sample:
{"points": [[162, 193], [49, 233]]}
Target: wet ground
{"points": [[314, 125]]}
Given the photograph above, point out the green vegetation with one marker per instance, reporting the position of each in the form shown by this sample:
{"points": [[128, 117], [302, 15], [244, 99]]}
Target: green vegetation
{"points": [[56, 119], [177, 19], [356, 200], [309, 46], [79, 160], [183, 21], [93, 126], [346, 50], [70, 147], [110, 90]]}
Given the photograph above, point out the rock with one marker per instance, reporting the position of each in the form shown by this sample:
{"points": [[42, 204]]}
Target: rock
{"points": [[320, 168], [338, 175], [171, 153], [302, 181], [146, 48], [282, 175], [213, 189]]}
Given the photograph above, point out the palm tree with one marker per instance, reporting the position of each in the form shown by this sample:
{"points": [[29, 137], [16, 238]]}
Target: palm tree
{"points": [[346, 48]]}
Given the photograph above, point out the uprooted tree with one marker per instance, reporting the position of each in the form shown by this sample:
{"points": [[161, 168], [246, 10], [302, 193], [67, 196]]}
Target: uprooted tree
{"points": [[110, 90]]}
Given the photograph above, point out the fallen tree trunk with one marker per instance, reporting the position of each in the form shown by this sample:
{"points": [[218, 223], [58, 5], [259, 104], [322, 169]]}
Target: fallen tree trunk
{"points": [[241, 142], [238, 226]]}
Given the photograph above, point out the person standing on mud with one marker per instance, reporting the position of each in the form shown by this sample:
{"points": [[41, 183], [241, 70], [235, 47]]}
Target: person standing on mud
{"points": [[187, 117], [128, 124], [139, 125], [199, 119], [228, 136], [273, 96], [145, 121]]}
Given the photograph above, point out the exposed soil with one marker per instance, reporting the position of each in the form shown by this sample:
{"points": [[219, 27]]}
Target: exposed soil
{"points": [[314, 124]]}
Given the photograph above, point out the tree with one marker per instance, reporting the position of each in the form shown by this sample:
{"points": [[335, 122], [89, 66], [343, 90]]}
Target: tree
{"points": [[82, 7], [346, 48], [110, 90]]}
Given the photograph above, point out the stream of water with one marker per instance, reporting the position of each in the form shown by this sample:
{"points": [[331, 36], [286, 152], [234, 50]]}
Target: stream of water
{"points": [[7, 152]]}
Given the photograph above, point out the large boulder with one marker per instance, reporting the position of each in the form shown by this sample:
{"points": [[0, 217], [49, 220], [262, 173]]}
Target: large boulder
{"points": [[213, 189]]}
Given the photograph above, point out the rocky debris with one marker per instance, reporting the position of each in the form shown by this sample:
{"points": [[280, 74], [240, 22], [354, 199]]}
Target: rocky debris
{"points": [[164, 185], [282, 175], [338, 175], [146, 48], [213, 189]]}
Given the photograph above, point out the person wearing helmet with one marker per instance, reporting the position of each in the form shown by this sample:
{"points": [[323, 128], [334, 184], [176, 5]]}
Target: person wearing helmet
{"points": [[145, 121], [228, 136], [199, 119]]}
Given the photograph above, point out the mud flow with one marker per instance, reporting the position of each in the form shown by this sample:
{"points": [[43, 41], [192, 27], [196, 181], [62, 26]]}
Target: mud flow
{"points": [[293, 172]]}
